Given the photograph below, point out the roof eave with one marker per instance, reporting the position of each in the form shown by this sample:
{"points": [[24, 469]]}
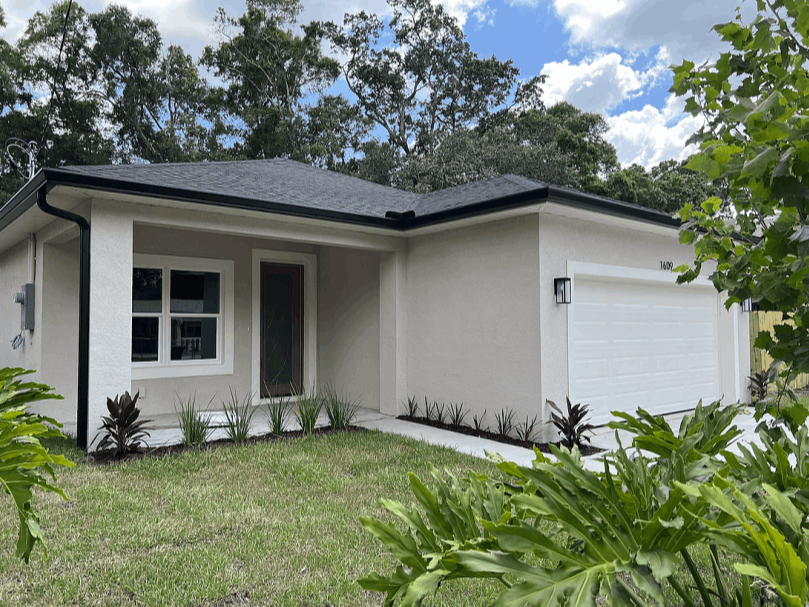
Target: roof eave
{"points": [[24, 199]]}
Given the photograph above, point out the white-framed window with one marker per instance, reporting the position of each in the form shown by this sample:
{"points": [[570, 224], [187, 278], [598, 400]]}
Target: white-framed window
{"points": [[182, 316]]}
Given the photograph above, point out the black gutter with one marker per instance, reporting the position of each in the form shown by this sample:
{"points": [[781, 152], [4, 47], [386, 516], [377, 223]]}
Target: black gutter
{"points": [[84, 310], [503, 203], [25, 200], [608, 206]]}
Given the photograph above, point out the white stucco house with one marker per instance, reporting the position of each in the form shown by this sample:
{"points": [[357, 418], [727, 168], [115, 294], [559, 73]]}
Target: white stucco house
{"points": [[270, 275]]}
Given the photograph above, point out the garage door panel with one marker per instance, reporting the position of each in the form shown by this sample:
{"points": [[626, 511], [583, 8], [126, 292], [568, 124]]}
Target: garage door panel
{"points": [[658, 351]]}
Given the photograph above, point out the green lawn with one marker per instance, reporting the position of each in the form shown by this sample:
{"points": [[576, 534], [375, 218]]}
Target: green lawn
{"points": [[275, 523], [268, 524]]}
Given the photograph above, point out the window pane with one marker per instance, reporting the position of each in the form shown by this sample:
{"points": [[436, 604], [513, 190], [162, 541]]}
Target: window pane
{"points": [[193, 338], [145, 339], [147, 290], [194, 292]]}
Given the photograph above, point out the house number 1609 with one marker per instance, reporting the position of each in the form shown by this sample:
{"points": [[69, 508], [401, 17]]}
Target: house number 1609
{"points": [[666, 265]]}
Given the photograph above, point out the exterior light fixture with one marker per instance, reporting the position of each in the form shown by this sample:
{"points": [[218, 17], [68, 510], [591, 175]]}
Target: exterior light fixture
{"points": [[747, 305], [562, 289]]}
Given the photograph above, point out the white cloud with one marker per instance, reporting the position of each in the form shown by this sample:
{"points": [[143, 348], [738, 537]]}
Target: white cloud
{"points": [[682, 26], [599, 84], [651, 135]]}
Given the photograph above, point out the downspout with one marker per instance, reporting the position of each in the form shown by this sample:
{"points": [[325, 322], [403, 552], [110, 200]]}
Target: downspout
{"points": [[84, 311]]}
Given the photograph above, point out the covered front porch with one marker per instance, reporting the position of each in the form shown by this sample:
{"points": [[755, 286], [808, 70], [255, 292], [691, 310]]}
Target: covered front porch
{"points": [[186, 303]]}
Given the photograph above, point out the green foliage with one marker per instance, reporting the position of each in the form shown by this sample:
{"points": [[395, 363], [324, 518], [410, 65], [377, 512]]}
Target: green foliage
{"points": [[24, 462], [759, 386], [755, 99], [558, 534], [571, 425], [428, 84], [456, 414], [121, 429], [278, 410], [340, 409], [526, 430], [238, 416], [505, 421], [412, 407], [708, 431], [194, 424], [477, 422], [307, 410]]}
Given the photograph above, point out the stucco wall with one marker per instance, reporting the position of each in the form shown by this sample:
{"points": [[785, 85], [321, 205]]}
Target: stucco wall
{"points": [[13, 274], [348, 323], [565, 239], [473, 332], [59, 329]]}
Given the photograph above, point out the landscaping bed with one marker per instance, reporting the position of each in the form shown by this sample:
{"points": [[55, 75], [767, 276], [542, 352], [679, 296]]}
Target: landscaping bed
{"points": [[493, 436], [106, 456]]}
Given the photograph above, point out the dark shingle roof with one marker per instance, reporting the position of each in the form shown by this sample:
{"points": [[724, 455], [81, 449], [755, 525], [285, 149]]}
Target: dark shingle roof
{"points": [[273, 181], [474, 193], [293, 188]]}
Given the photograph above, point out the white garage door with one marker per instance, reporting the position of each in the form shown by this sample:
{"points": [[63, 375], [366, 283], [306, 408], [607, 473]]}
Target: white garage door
{"points": [[640, 344]]}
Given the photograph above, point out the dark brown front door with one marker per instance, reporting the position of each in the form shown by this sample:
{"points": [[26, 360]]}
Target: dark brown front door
{"points": [[281, 329]]}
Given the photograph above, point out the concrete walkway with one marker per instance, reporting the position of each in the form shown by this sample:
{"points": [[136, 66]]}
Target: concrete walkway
{"points": [[166, 432]]}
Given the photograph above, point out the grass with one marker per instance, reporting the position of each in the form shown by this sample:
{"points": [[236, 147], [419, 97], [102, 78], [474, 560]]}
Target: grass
{"points": [[275, 522]]}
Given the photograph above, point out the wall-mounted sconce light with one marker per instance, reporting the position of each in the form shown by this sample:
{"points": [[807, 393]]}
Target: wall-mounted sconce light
{"points": [[561, 287], [747, 305]]}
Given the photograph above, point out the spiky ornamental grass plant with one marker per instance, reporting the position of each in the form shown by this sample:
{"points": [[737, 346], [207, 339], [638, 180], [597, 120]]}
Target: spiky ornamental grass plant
{"points": [[24, 462], [121, 429], [307, 410], [278, 410], [340, 409], [505, 421], [238, 416], [456, 414], [196, 428]]}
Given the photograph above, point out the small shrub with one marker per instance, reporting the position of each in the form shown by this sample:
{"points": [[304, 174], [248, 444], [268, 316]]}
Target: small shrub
{"points": [[435, 412], [478, 421], [238, 416], [307, 410], [571, 426], [526, 430], [505, 421], [341, 410], [456, 414], [196, 428], [759, 385], [121, 429], [278, 413], [412, 407]]}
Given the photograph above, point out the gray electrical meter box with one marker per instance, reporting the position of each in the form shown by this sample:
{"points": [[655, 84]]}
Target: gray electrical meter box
{"points": [[26, 299]]}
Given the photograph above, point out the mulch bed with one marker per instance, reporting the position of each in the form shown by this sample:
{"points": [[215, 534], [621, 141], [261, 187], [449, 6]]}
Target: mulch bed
{"points": [[107, 456], [493, 436]]}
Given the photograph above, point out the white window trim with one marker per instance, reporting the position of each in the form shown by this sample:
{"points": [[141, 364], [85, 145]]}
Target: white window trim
{"points": [[223, 365], [309, 263]]}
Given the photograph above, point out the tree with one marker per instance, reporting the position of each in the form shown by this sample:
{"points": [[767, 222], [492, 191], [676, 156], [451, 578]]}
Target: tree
{"points": [[755, 101], [270, 71], [161, 109], [427, 83], [666, 187]]}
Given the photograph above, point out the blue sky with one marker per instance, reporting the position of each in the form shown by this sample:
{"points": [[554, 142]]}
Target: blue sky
{"points": [[607, 56]]}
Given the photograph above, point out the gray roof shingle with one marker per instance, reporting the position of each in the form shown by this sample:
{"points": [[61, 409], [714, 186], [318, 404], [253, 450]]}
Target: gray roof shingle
{"points": [[300, 186], [277, 181]]}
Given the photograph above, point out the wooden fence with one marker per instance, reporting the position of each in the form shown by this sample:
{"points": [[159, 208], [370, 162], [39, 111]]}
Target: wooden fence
{"points": [[759, 359]]}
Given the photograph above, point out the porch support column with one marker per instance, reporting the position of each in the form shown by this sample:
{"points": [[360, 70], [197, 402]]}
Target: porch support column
{"points": [[392, 331], [110, 309]]}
